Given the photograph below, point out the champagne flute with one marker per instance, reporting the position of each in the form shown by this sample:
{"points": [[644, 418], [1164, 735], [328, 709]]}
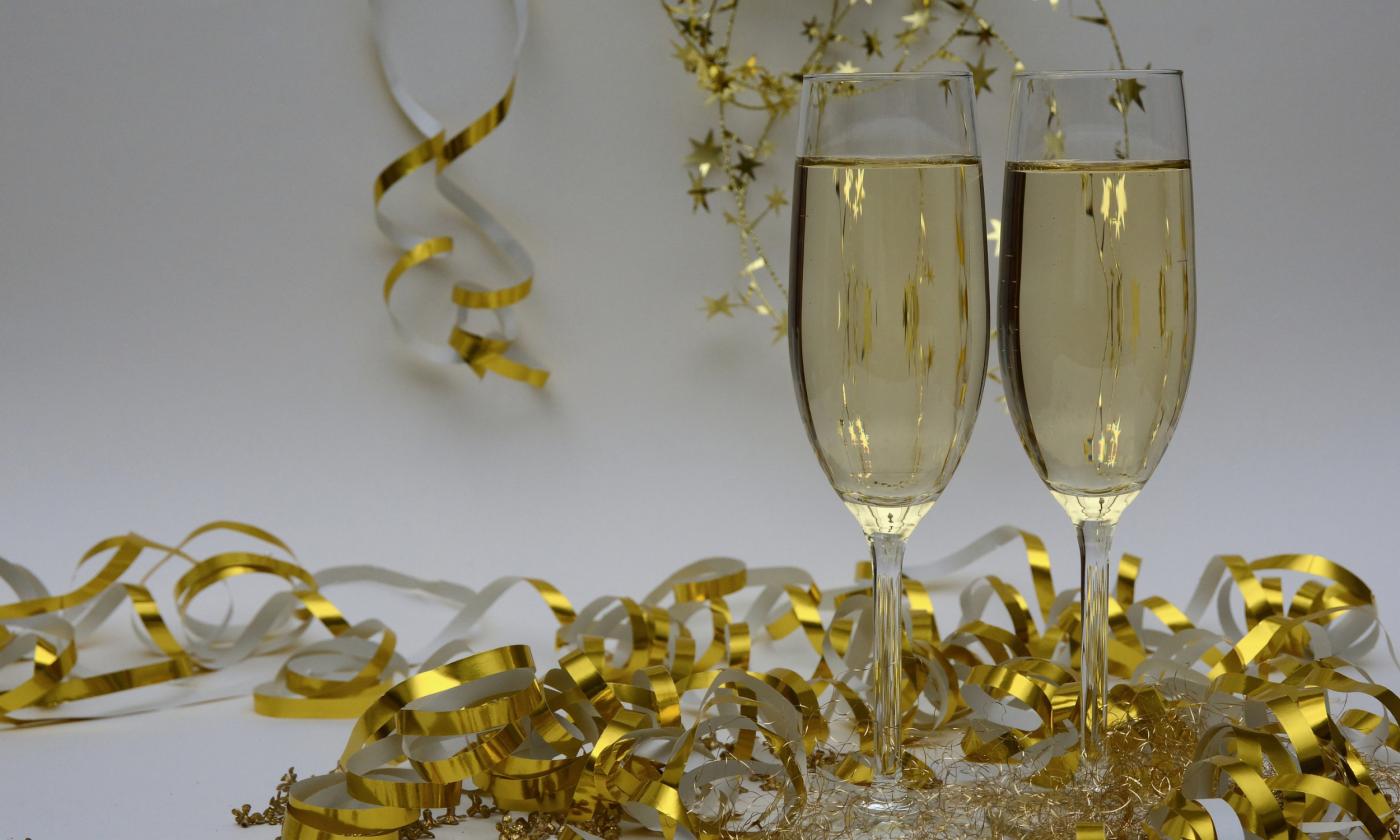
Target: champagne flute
{"points": [[889, 317], [1097, 311]]}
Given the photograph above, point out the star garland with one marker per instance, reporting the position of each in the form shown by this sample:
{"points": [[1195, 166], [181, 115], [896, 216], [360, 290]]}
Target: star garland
{"points": [[726, 165]]}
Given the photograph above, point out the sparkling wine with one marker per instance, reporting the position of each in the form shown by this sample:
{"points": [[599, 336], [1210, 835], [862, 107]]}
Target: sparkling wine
{"points": [[1097, 310], [889, 321]]}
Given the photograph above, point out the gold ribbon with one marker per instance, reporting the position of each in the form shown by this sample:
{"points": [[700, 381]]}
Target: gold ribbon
{"points": [[650, 711], [480, 349], [1283, 765]]}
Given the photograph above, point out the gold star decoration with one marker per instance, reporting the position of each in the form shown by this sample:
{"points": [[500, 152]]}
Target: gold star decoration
{"points": [[747, 166], [918, 19], [981, 75], [872, 44], [984, 34], [688, 57], [718, 306], [994, 235], [705, 154], [699, 193], [747, 87], [718, 82], [1127, 92], [698, 29]]}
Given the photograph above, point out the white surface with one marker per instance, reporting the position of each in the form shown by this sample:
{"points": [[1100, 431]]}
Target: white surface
{"points": [[190, 328]]}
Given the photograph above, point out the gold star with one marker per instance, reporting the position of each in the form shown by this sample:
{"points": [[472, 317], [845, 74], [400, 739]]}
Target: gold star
{"points": [[847, 67], [699, 193], [776, 199], [780, 327], [704, 154], [984, 33], [994, 235], [718, 306], [747, 166], [1127, 92], [687, 57], [812, 29], [872, 44], [718, 82], [917, 19], [750, 68], [981, 75]]}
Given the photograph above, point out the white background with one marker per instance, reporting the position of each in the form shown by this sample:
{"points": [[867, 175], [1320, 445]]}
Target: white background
{"points": [[190, 328]]}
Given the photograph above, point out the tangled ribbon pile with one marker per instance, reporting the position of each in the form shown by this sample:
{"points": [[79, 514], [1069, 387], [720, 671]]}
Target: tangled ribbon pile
{"points": [[655, 714], [482, 350]]}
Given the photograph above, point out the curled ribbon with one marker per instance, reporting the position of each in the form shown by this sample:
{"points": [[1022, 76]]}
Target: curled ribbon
{"points": [[611, 726], [483, 350], [655, 713]]}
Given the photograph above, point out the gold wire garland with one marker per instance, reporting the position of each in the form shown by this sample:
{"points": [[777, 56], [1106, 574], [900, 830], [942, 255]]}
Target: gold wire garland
{"points": [[955, 31]]}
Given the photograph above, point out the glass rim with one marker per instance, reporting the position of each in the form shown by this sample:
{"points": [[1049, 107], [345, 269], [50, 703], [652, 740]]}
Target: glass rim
{"points": [[886, 75], [1093, 74]]}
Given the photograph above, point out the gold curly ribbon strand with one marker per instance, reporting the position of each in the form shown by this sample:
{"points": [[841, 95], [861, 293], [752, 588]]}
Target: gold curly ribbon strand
{"points": [[480, 349], [655, 711]]}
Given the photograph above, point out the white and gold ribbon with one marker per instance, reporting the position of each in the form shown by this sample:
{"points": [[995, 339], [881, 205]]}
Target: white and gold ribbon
{"points": [[481, 347], [656, 707]]}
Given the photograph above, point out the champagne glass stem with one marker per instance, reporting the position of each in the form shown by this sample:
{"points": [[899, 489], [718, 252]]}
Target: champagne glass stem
{"points": [[1095, 539], [887, 552]]}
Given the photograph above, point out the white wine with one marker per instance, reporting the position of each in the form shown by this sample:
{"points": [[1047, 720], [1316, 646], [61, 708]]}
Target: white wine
{"points": [[889, 321], [1097, 315]]}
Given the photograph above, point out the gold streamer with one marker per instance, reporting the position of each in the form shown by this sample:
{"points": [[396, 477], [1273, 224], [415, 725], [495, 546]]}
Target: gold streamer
{"points": [[637, 720], [1274, 753], [481, 351]]}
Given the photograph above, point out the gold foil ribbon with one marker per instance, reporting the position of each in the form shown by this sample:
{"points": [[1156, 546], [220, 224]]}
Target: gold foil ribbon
{"points": [[654, 706], [611, 726], [483, 350]]}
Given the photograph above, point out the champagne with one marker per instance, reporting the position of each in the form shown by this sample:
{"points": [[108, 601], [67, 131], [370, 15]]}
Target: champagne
{"points": [[889, 326], [1097, 311]]}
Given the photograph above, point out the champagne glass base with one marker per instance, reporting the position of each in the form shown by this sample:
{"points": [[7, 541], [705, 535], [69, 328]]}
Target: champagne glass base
{"points": [[1092, 776], [883, 810]]}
